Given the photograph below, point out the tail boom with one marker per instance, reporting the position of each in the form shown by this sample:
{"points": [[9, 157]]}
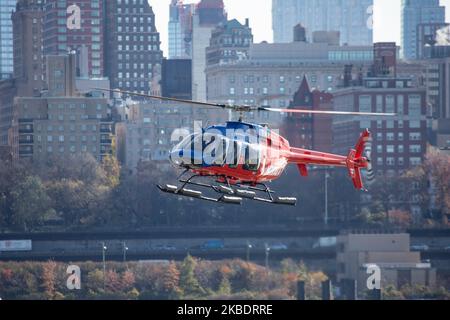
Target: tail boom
{"points": [[354, 162]]}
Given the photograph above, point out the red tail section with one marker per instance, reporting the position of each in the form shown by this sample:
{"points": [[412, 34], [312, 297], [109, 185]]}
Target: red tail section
{"points": [[355, 160]]}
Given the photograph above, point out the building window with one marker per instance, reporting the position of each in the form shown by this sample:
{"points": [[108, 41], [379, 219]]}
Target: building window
{"points": [[365, 103], [415, 161], [415, 148], [415, 136], [400, 104], [414, 124], [414, 104], [390, 104], [379, 136]]}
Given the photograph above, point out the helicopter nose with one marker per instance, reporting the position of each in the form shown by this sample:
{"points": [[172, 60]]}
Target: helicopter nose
{"points": [[175, 157]]}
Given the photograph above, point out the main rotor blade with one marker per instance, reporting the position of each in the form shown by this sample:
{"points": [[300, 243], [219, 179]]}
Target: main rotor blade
{"points": [[339, 113], [222, 106]]}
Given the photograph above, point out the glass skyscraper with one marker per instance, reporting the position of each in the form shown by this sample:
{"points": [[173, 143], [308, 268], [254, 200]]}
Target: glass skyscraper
{"points": [[6, 38], [180, 30], [414, 13]]}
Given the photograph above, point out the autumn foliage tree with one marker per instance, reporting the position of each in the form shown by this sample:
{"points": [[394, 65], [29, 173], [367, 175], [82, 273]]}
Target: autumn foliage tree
{"points": [[437, 169]]}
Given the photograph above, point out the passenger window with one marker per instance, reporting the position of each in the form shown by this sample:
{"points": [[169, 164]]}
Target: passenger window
{"points": [[251, 164], [221, 153], [235, 150]]}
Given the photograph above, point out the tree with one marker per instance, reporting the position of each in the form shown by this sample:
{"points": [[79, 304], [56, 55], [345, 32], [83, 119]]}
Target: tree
{"points": [[170, 282], [80, 189], [224, 287], [31, 204], [11, 174], [437, 168], [188, 282], [49, 279], [400, 218], [111, 168]]}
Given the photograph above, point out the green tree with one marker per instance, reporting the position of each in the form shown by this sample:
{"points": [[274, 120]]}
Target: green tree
{"points": [[188, 281], [11, 174], [224, 287], [31, 204], [111, 167]]}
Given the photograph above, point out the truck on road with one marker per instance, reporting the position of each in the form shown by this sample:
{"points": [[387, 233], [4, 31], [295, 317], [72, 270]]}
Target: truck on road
{"points": [[15, 245], [213, 245]]}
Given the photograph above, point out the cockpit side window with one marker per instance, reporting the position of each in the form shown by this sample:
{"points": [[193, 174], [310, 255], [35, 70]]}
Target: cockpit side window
{"points": [[215, 149], [196, 149]]}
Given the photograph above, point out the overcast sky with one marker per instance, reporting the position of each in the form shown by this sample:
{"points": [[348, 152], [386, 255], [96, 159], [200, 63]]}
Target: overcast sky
{"points": [[386, 18]]}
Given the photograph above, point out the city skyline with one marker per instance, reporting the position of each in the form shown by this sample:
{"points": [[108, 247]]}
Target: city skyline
{"points": [[386, 18]]}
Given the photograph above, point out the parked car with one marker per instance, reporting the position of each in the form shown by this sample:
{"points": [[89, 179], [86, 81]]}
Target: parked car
{"points": [[420, 247], [278, 246]]}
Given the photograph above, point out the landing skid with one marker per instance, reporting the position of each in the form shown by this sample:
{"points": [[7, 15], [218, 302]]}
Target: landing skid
{"points": [[227, 193]]}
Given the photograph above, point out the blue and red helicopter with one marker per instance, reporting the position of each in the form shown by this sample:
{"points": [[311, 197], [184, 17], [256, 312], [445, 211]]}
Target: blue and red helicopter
{"points": [[237, 160]]}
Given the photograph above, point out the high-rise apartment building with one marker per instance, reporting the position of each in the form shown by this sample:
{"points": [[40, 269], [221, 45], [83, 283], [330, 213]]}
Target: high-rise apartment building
{"points": [[76, 26], [133, 54], [415, 13], [62, 122], [7, 93], [28, 47], [7, 7], [180, 30], [352, 18], [209, 14]]}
